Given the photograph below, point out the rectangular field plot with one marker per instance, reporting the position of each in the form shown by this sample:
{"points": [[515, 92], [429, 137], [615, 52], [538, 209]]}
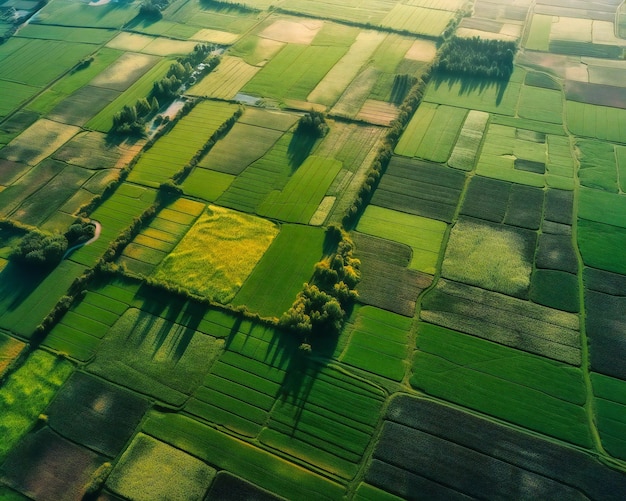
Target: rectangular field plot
{"points": [[217, 254], [386, 282], [92, 150], [469, 140], [431, 133], [602, 207], [65, 34], [538, 37], [474, 94], [601, 122], [174, 150], [378, 343], [229, 157], [33, 385], [610, 405], [527, 157], [245, 460], [423, 235], [271, 172], [478, 457], [420, 188], [598, 167], [10, 349], [39, 62], [328, 421], [370, 11], [159, 238], [543, 105], [207, 184], [69, 13], [13, 94], [273, 285], [418, 20], [167, 362], [605, 326], [115, 214], [301, 196], [504, 320], [238, 394], [601, 245], [529, 390], [294, 72], [226, 80]]}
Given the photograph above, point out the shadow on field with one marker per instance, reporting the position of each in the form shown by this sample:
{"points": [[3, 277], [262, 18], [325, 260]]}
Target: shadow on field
{"points": [[472, 84], [299, 148], [17, 282]]}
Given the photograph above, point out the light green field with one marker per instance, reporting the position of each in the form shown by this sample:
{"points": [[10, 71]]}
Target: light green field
{"points": [[539, 33], [217, 254], [150, 469], [423, 235], [601, 122], [175, 149], [487, 256], [378, 343], [601, 245], [544, 105], [13, 95], [294, 72], [248, 461], [70, 13], [26, 393], [602, 207], [226, 80], [103, 121], [470, 138], [598, 168], [418, 20], [65, 34], [525, 389], [304, 191], [288, 263], [431, 133], [207, 184], [356, 11]]}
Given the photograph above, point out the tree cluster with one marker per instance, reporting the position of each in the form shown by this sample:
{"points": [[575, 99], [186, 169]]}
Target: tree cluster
{"points": [[313, 123], [151, 9], [131, 119], [40, 249], [477, 57], [320, 307]]}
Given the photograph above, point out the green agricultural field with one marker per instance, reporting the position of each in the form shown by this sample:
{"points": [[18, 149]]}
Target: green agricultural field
{"points": [[69, 13], [423, 235], [470, 138], [174, 151], [294, 72], [538, 37], [418, 20], [543, 105], [431, 133], [597, 165], [302, 194], [13, 95], [610, 400], [273, 285], [599, 122], [207, 184], [491, 257], [226, 80], [600, 245], [217, 254], [526, 389], [378, 343], [10, 349], [27, 392]]}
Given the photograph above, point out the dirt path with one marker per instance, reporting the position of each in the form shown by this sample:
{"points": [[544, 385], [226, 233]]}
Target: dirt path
{"points": [[95, 237]]}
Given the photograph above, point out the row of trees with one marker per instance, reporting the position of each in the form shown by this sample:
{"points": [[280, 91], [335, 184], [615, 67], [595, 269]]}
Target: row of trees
{"points": [[320, 307], [313, 124], [477, 57]]}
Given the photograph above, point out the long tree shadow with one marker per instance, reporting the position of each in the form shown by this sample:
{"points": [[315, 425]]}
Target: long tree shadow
{"points": [[299, 149], [17, 283], [468, 85]]}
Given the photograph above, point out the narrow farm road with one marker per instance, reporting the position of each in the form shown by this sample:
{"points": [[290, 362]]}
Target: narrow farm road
{"points": [[96, 236]]}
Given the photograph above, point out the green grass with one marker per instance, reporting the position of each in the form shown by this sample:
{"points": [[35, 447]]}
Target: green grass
{"points": [[13, 95], [245, 460], [423, 235], [273, 285], [69, 13], [543, 105], [620, 154], [65, 34], [103, 121], [610, 406], [167, 361], [73, 81], [492, 257], [271, 172], [597, 165], [26, 393], [355, 11], [539, 33], [151, 469], [556, 289], [525, 389], [10, 349], [39, 62], [418, 20], [599, 122], [378, 343], [294, 72], [217, 254], [475, 94], [602, 207], [304, 191], [174, 150], [601, 245], [207, 184]]}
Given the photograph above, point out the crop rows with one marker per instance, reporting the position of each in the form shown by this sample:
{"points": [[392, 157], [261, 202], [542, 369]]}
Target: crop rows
{"points": [[226, 80], [173, 151], [420, 188], [159, 238], [601, 122], [419, 20], [470, 138], [378, 343]]}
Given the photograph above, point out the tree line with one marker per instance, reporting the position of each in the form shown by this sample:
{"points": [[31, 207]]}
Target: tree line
{"points": [[477, 57]]}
